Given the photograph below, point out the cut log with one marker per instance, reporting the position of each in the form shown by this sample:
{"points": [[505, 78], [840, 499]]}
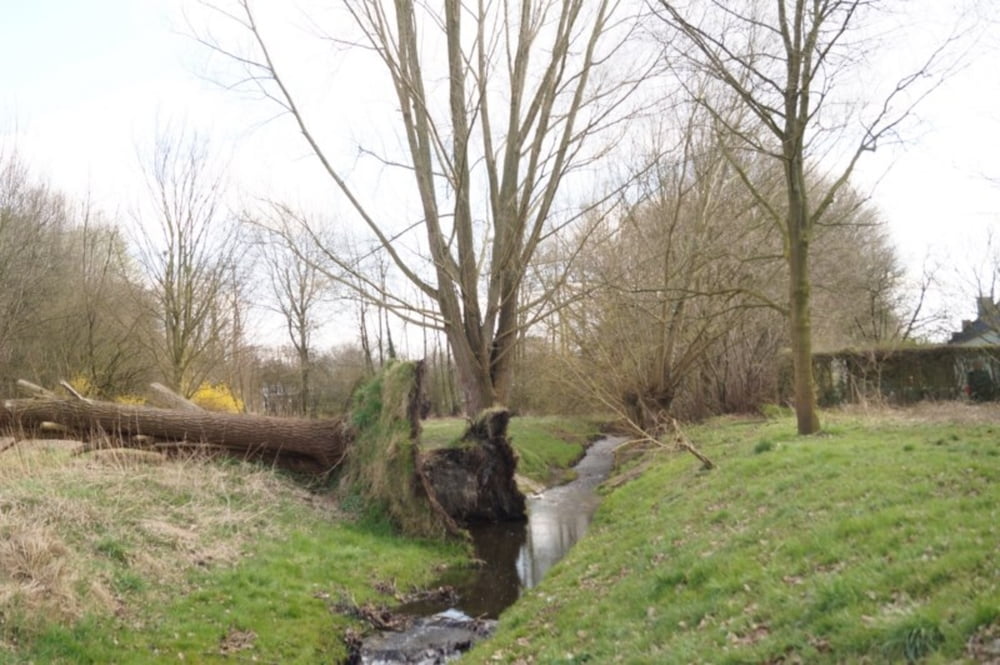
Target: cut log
{"points": [[317, 445]]}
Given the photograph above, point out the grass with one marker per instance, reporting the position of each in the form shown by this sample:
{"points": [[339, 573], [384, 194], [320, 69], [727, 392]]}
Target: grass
{"points": [[877, 541], [874, 542], [124, 557], [546, 445], [119, 559]]}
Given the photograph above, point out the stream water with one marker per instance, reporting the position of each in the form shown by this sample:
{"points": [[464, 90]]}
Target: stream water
{"points": [[515, 555]]}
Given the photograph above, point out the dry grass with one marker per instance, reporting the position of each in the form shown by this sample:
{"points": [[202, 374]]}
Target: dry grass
{"points": [[37, 576], [79, 532]]}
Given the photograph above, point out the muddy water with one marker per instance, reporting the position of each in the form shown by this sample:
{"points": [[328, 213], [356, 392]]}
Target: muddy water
{"points": [[517, 555]]}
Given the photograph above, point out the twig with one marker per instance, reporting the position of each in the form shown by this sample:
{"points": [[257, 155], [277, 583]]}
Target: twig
{"points": [[34, 389], [73, 391], [685, 443]]}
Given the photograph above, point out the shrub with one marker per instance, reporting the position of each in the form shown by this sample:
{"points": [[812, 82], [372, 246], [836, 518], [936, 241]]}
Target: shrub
{"points": [[217, 397]]}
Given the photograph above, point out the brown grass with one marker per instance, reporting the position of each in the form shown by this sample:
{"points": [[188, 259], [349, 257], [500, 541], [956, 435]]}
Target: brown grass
{"points": [[37, 576], [72, 524]]}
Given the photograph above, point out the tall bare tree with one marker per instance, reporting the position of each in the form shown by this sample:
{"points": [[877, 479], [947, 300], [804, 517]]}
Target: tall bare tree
{"points": [[784, 60], [188, 249], [299, 290], [498, 105]]}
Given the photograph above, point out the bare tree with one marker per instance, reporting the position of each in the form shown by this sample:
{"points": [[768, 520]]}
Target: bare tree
{"points": [[298, 289], [104, 320], [188, 249], [32, 221], [683, 267], [499, 104], [784, 60]]}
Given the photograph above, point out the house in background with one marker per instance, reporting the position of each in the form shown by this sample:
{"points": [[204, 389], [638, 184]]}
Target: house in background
{"points": [[985, 330]]}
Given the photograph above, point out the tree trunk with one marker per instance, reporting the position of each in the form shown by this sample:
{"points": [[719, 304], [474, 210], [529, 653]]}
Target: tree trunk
{"points": [[171, 400], [473, 373], [315, 445], [648, 409], [801, 337]]}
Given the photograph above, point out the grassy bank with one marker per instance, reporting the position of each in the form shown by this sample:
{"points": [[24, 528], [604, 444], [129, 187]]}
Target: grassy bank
{"points": [[877, 541], [127, 558], [131, 559]]}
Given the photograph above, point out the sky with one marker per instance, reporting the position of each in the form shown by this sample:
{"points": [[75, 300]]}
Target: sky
{"points": [[84, 86]]}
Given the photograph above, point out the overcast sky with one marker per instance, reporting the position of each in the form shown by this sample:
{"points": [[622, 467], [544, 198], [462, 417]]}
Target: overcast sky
{"points": [[83, 84]]}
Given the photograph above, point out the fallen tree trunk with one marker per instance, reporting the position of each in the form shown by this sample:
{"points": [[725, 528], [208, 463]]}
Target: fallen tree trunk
{"points": [[310, 445], [425, 493]]}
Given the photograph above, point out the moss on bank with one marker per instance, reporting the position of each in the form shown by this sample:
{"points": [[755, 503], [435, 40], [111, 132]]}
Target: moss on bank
{"points": [[381, 465]]}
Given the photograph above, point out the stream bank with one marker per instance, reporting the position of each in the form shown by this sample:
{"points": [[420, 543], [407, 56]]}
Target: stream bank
{"points": [[514, 555]]}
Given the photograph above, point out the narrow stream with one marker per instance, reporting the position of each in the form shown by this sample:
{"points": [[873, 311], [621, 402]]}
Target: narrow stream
{"points": [[515, 555]]}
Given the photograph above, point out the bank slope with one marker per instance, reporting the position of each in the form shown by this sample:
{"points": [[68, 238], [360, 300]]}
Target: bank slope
{"points": [[877, 541]]}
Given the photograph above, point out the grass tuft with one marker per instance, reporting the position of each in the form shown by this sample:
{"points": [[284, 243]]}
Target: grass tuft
{"points": [[913, 639]]}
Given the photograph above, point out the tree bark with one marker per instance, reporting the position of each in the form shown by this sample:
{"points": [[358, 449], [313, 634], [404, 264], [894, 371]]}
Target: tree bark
{"points": [[801, 338], [314, 445], [170, 399]]}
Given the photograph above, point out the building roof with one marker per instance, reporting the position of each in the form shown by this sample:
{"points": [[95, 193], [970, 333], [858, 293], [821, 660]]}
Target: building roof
{"points": [[985, 329]]}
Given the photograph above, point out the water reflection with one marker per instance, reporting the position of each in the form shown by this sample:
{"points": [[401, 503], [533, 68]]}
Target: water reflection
{"points": [[551, 532], [518, 554], [560, 516]]}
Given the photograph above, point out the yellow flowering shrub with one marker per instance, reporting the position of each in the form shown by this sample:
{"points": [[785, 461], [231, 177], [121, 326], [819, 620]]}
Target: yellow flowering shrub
{"points": [[217, 397], [82, 385]]}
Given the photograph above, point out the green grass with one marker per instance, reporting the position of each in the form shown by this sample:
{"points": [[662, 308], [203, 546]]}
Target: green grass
{"points": [[546, 445], [113, 561], [281, 595], [128, 558], [874, 542]]}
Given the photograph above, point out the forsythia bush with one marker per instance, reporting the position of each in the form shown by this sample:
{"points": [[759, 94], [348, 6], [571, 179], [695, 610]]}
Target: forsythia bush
{"points": [[82, 385], [217, 397]]}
